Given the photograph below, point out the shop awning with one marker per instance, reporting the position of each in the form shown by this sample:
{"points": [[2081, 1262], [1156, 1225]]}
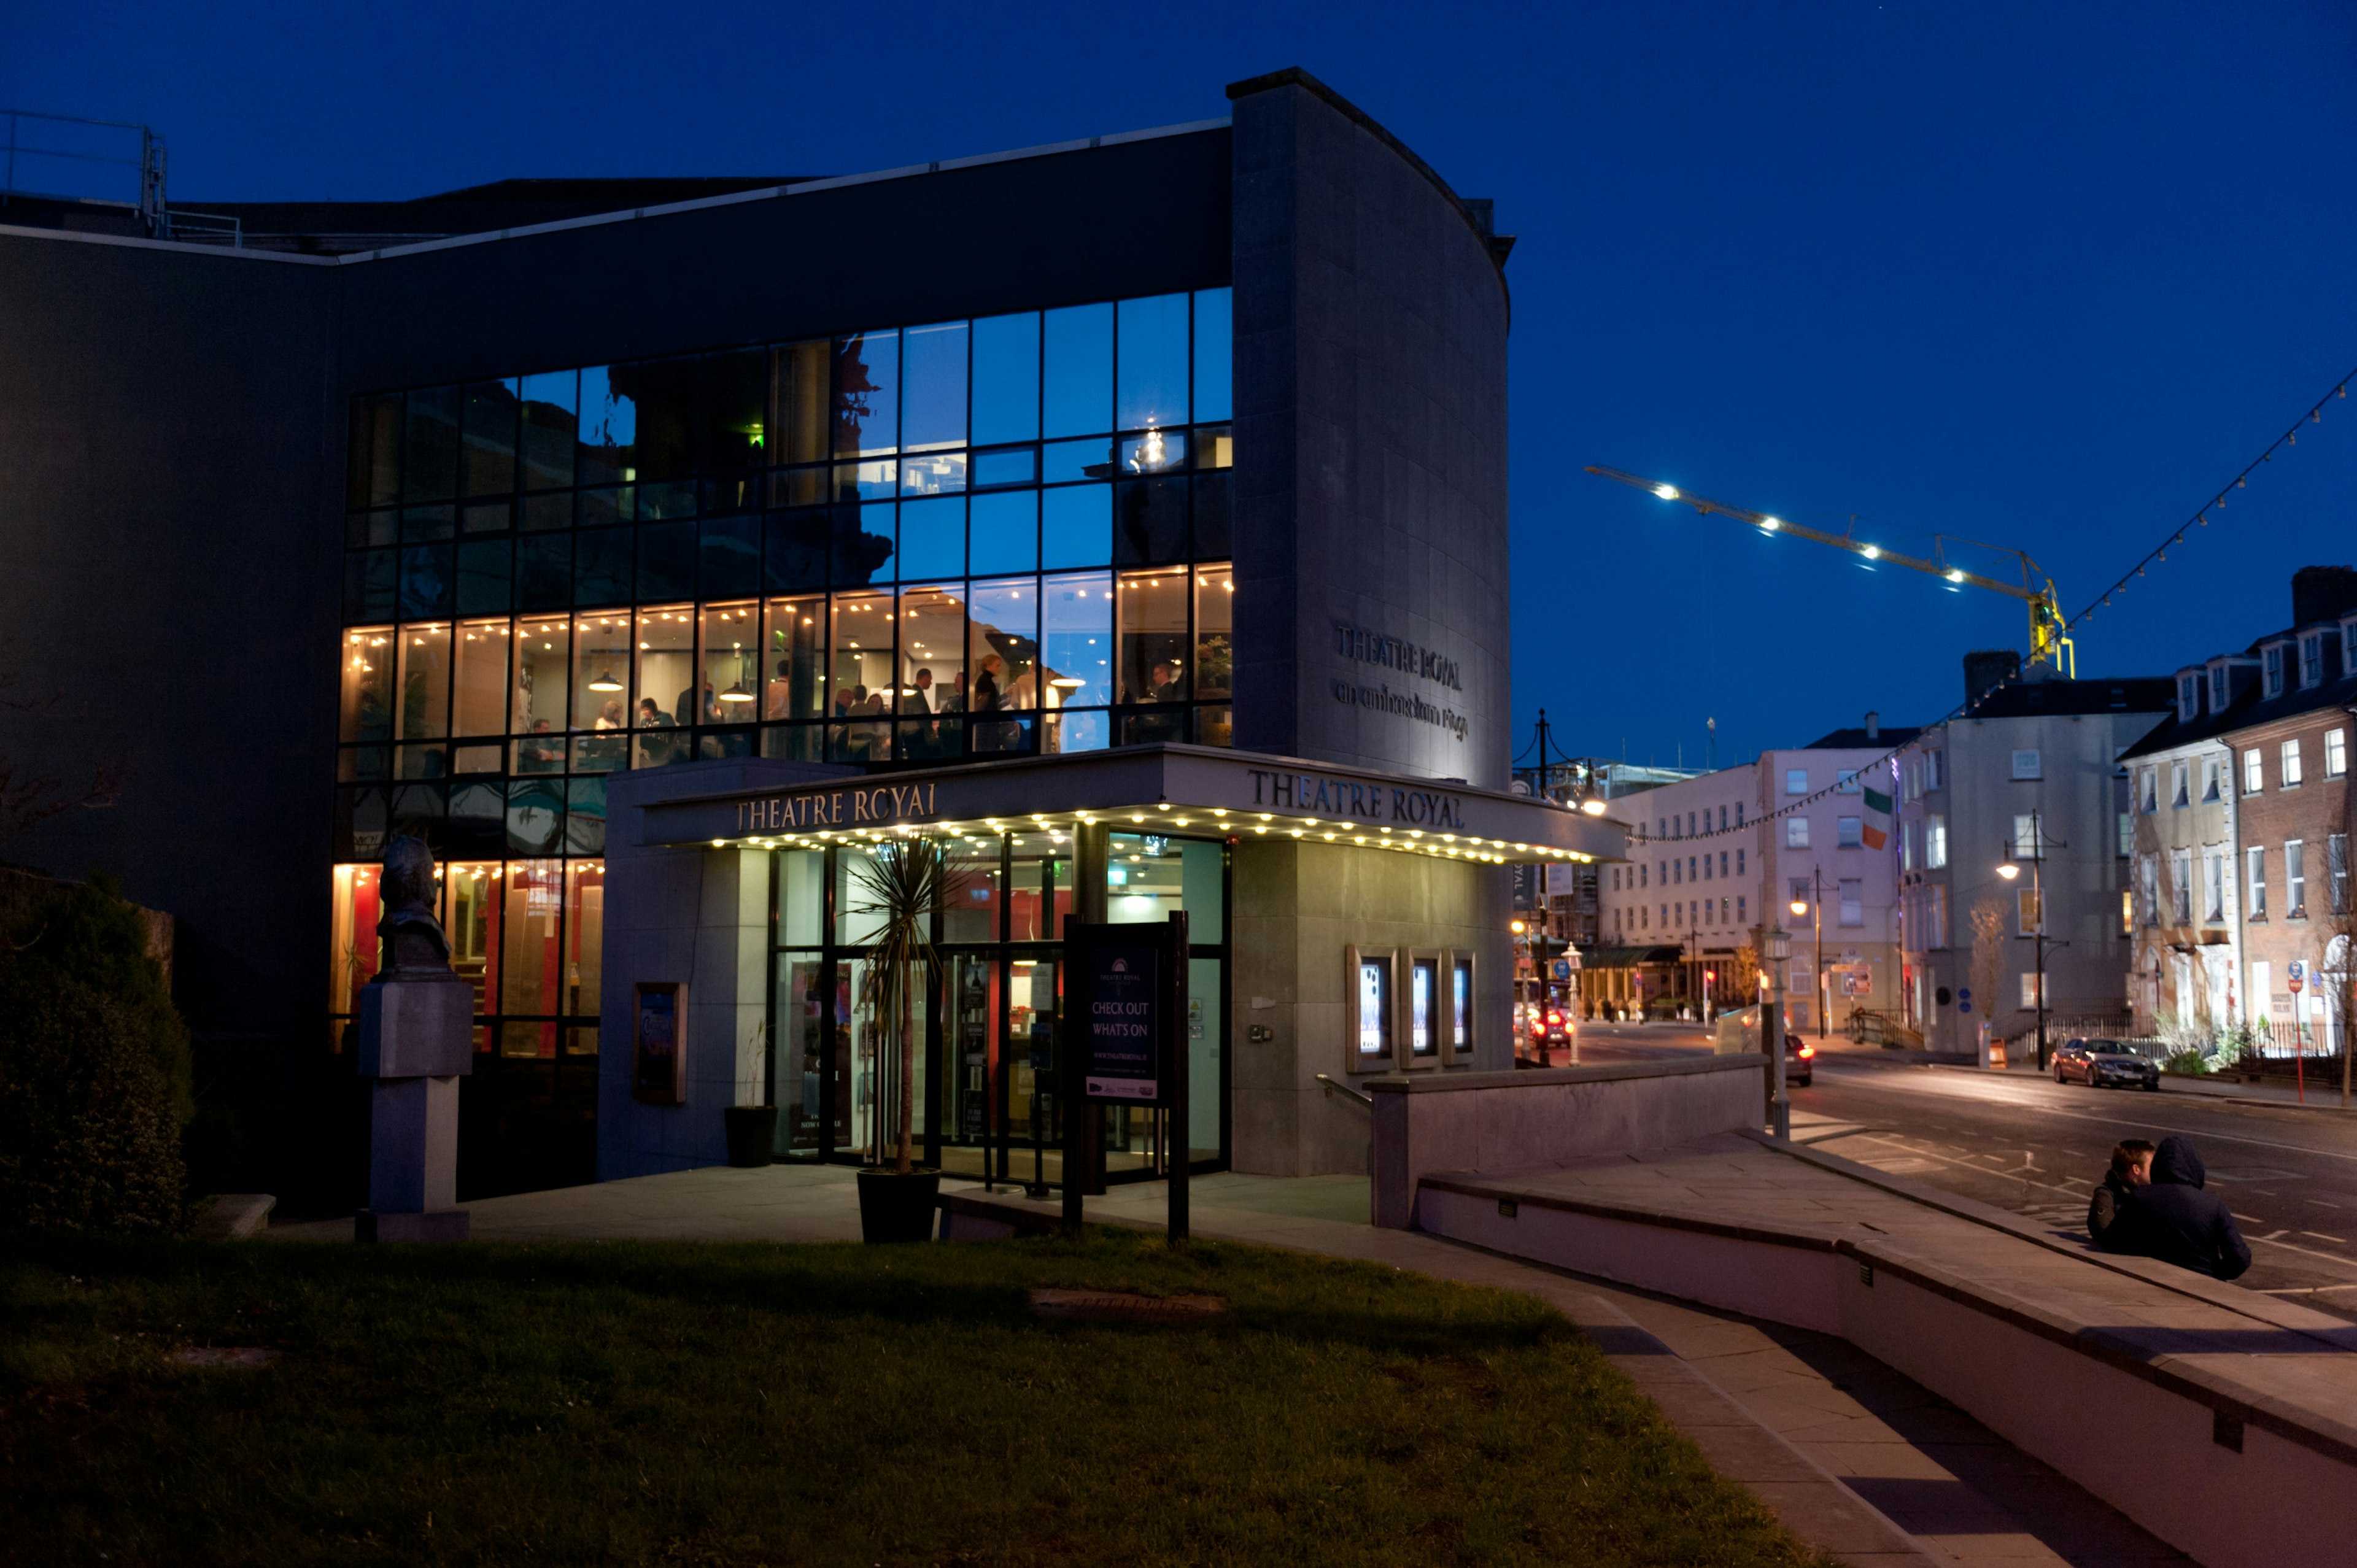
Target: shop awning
{"points": [[1189, 789]]}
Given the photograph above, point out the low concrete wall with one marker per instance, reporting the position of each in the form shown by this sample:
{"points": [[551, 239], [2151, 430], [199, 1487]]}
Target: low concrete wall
{"points": [[2109, 1405], [1516, 1121]]}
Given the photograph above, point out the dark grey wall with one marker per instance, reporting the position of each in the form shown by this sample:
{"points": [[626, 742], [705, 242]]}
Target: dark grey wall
{"points": [[163, 434], [1134, 218], [1370, 441]]}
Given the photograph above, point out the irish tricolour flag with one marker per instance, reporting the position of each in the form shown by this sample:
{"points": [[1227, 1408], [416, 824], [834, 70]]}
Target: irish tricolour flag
{"points": [[1876, 831]]}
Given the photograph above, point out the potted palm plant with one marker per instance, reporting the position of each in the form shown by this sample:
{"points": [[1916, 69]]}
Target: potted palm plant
{"points": [[903, 883]]}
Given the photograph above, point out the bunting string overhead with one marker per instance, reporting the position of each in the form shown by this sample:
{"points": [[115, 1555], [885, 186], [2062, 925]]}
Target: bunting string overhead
{"points": [[2201, 518]]}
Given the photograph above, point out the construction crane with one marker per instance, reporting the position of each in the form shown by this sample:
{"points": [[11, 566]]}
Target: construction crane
{"points": [[2048, 646]]}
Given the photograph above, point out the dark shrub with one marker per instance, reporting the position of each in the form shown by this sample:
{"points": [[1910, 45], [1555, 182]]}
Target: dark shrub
{"points": [[93, 1073]]}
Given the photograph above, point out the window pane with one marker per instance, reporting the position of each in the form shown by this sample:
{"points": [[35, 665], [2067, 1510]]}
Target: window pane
{"points": [[424, 682], [543, 572], [1079, 400], [542, 649], [610, 428], [535, 816], [667, 556], [1067, 462], [729, 556], [863, 544], [601, 685], [1144, 879], [549, 429], [1213, 505], [941, 474], [732, 413], [366, 711], [1153, 363], [1076, 526], [1215, 603], [1003, 651], [1016, 465], [798, 400], [1006, 379], [490, 439], [585, 816], [484, 568], [370, 582], [481, 685], [932, 639], [375, 456], [585, 934], [731, 662], [665, 393], [1005, 532], [669, 694], [425, 574], [793, 551], [933, 396], [862, 672], [354, 940], [429, 464], [1152, 521], [1215, 346], [866, 377], [1076, 647], [795, 649], [1069, 732], [601, 566], [932, 538], [529, 950], [1153, 611]]}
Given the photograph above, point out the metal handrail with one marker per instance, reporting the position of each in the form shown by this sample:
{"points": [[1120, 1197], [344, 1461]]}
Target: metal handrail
{"points": [[1333, 1086]]}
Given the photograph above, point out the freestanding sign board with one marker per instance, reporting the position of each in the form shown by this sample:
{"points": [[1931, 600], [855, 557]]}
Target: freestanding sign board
{"points": [[1125, 1041]]}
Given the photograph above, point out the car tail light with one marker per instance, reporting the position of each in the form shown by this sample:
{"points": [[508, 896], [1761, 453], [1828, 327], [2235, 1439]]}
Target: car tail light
{"points": [[1537, 1027], [1555, 1020], [1808, 1051]]}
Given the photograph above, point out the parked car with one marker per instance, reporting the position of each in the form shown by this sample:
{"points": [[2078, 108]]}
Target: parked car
{"points": [[2104, 1064], [1738, 1031]]}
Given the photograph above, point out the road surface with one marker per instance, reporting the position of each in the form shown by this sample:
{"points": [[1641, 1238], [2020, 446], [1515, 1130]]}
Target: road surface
{"points": [[2036, 1148]]}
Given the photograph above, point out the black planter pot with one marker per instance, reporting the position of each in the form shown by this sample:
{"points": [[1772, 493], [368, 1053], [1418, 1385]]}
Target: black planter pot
{"points": [[896, 1208], [753, 1133]]}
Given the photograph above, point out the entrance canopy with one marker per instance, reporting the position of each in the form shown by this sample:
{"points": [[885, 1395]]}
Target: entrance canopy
{"points": [[1198, 789]]}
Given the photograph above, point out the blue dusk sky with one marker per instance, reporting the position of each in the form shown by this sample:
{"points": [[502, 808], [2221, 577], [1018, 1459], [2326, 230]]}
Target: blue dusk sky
{"points": [[2042, 275]]}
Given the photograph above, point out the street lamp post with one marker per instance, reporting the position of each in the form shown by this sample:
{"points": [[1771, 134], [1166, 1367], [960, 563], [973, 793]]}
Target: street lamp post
{"points": [[1776, 948], [1824, 992], [2038, 932]]}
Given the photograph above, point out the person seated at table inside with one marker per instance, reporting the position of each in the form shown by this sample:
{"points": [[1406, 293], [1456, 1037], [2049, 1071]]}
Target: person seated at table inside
{"points": [[1163, 686], [651, 716], [539, 751], [780, 702]]}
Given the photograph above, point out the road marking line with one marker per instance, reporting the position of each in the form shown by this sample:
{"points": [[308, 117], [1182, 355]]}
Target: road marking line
{"points": [[2033, 1103], [2322, 1237], [2303, 1289]]}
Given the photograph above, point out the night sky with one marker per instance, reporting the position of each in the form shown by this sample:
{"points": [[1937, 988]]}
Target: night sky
{"points": [[2043, 275]]}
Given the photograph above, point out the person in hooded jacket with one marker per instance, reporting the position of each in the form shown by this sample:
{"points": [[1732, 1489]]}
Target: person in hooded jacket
{"points": [[2175, 1220], [2131, 1169]]}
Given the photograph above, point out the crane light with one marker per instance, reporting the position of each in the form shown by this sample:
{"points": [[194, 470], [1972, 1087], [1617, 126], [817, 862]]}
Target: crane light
{"points": [[1873, 551], [1771, 523], [1955, 573], [1667, 492]]}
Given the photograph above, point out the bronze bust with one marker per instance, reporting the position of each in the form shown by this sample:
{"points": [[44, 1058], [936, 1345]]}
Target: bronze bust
{"points": [[412, 936]]}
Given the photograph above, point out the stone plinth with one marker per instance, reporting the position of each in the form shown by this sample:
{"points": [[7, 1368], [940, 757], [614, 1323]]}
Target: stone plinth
{"points": [[416, 1043]]}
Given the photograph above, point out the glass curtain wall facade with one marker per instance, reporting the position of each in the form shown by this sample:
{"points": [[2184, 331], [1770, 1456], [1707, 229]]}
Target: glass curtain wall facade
{"points": [[900, 547], [984, 1056]]}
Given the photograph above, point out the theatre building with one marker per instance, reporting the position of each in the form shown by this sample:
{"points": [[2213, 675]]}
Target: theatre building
{"points": [[1129, 515]]}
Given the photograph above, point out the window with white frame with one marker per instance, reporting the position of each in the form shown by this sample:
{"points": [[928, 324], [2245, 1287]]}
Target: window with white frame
{"points": [[1742, 909], [1796, 832], [2312, 661], [2148, 885], [2025, 835], [2128, 834], [2218, 688], [2210, 769], [2214, 883], [1932, 777], [2178, 794], [2254, 778], [2336, 752], [1911, 849], [2255, 883], [2295, 880], [2032, 997], [2026, 911], [1935, 841], [1845, 782], [1935, 916], [2026, 765], [2149, 790], [2188, 698], [1911, 781], [2336, 871], [1796, 781], [2271, 660], [1739, 857], [1853, 901], [2290, 779], [2180, 886], [1847, 831]]}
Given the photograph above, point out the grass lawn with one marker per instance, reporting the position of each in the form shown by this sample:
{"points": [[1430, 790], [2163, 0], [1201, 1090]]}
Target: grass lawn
{"points": [[708, 1404]]}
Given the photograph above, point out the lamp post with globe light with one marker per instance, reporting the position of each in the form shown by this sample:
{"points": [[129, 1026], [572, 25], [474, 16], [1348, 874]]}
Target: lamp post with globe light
{"points": [[1776, 947]]}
